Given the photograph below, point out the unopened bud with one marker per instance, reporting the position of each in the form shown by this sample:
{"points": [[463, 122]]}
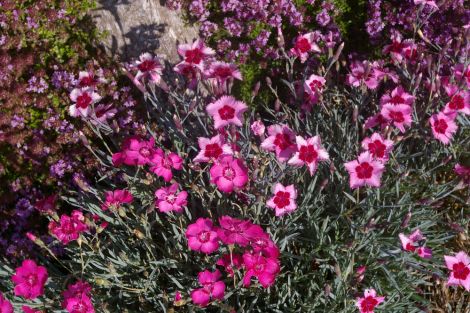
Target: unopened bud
{"points": [[139, 234]]}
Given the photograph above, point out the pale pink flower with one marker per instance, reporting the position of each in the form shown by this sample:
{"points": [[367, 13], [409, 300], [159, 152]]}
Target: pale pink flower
{"points": [[162, 164], [364, 73], [150, 66], [424, 252], [283, 200], [396, 97], [5, 305], [69, 228], [369, 302], [116, 197], [88, 79], [195, 53], [309, 152], [314, 85], [212, 148], [29, 280], [202, 236], [168, 199], [430, 3], [222, 72], [364, 171], [212, 288], [83, 98], [459, 102], [227, 110], [281, 139], [460, 270], [303, 45], [464, 173], [261, 267], [258, 128], [399, 115], [229, 174], [443, 126], [378, 147], [103, 112]]}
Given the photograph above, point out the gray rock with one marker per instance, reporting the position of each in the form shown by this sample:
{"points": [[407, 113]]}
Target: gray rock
{"points": [[137, 26]]}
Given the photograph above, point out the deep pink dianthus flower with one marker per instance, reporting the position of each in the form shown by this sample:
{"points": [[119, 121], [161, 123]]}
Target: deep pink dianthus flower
{"points": [[168, 199], [443, 126], [116, 198], [195, 54], [377, 146], [229, 174], [369, 301], [281, 140], [309, 152], [283, 200], [263, 268], [212, 148], [162, 164], [135, 151], [29, 280], [202, 236], [303, 45], [230, 262], [236, 231], [227, 110], [5, 305], [83, 98], [69, 228], [364, 171], [212, 288], [150, 66], [459, 265]]}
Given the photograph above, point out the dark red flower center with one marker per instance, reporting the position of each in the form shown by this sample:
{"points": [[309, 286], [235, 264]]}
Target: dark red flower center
{"points": [[227, 112], [194, 56], [397, 100], [440, 126], [456, 103], [223, 71], [377, 148], [397, 116], [316, 85], [364, 170], [282, 199], [282, 141], [84, 100], [170, 198], [368, 304], [204, 236], [213, 150], [147, 65], [308, 154], [303, 45], [461, 271], [87, 81], [410, 247]]}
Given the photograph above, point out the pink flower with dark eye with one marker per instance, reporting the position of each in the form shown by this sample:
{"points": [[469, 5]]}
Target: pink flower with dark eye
{"points": [[236, 231], [47, 204], [76, 291], [443, 126], [168, 199], [459, 103], [369, 301], [375, 120], [464, 173], [212, 288], [150, 66], [309, 152], [202, 236], [195, 53], [258, 128], [230, 262], [83, 98], [80, 304], [189, 71], [283, 200], [69, 228], [303, 45], [222, 72], [408, 242], [229, 174], [281, 140], [401, 49], [364, 171], [116, 197], [424, 252], [378, 147], [88, 79], [314, 85], [364, 73], [227, 110], [103, 112], [399, 115], [29, 280], [212, 149], [135, 151], [263, 268], [162, 164], [459, 265], [430, 3], [5, 305], [396, 97]]}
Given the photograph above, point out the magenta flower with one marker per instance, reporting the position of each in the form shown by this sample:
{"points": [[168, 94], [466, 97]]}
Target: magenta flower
{"points": [[258, 128], [135, 152], [398, 96], [29, 280], [370, 300], [229, 174], [69, 228], [230, 262], [195, 54], [400, 49], [443, 126], [5, 305], [236, 231], [76, 291], [202, 236], [263, 268], [303, 45], [117, 197], [375, 120], [314, 85], [459, 102], [408, 242], [169, 199], [459, 265], [162, 164], [103, 112], [150, 66], [364, 171], [424, 252], [281, 140], [83, 98], [261, 243], [223, 72], [88, 79], [464, 173], [378, 147], [227, 110], [80, 304], [27, 309], [309, 152], [212, 288], [399, 115], [47, 204], [212, 149], [363, 73], [283, 200]]}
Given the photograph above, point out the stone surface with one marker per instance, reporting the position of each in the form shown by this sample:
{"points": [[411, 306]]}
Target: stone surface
{"points": [[136, 26]]}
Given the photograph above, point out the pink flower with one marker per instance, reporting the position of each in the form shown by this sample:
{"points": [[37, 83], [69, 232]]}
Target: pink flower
{"points": [[76, 290], [303, 45], [400, 49], [463, 172], [459, 102], [80, 304], [360, 272], [398, 96], [236, 231], [258, 128], [202, 236], [148, 65], [83, 98], [5, 305], [29, 280], [46, 205], [375, 120], [399, 115], [27, 309], [69, 228], [370, 300], [281, 140], [408, 243], [261, 243], [424, 252], [169, 199], [195, 54], [364, 171], [363, 73], [314, 85], [212, 288], [431, 3], [212, 149], [135, 152], [230, 262], [88, 79], [309, 152], [229, 174], [460, 270], [103, 112], [283, 200], [263, 268], [378, 147], [162, 164], [116, 198], [227, 110], [222, 72], [189, 71], [443, 127]]}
